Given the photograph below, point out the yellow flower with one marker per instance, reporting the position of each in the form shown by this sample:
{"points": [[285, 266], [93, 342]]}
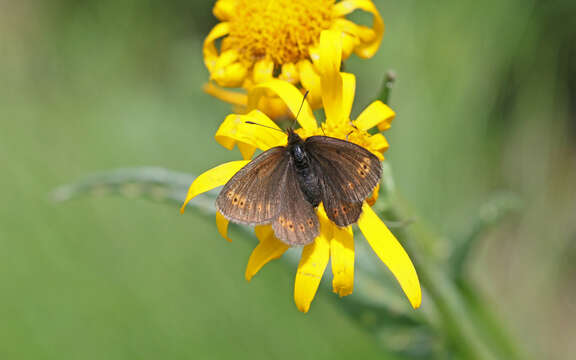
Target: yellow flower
{"points": [[333, 242], [266, 39]]}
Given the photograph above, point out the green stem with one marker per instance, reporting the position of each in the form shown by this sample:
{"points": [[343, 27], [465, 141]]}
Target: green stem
{"points": [[387, 85], [464, 331], [456, 322], [489, 321]]}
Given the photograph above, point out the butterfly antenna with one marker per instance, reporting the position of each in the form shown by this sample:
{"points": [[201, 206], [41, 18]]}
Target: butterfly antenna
{"points": [[300, 109], [266, 126]]}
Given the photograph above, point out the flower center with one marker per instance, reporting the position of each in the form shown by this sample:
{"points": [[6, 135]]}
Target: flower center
{"points": [[277, 30]]}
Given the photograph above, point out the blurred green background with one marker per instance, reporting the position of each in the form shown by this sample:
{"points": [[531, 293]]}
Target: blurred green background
{"points": [[486, 101]]}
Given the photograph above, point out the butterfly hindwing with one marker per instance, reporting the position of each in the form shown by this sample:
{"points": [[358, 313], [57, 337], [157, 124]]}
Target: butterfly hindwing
{"points": [[348, 174], [251, 196], [342, 213], [296, 223]]}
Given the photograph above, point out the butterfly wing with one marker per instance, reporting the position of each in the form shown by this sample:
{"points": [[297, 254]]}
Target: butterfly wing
{"points": [[251, 196], [296, 223], [348, 172]]}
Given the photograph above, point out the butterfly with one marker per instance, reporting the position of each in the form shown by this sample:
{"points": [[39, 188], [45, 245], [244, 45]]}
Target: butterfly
{"points": [[283, 185]]}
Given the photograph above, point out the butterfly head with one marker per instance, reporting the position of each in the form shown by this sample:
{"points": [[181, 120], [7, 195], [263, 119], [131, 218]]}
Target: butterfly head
{"points": [[293, 138]]}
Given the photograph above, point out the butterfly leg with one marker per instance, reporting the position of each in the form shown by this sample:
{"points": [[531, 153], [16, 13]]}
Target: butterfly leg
{"points": [[351, 131]]}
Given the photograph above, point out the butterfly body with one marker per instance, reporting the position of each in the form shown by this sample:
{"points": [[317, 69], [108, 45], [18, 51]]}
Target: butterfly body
{"points": [[308, 180], [283, 186]]}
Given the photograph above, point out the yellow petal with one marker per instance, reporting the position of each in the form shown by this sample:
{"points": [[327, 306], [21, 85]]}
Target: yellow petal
{"points": [[234, 129], [273, 107], [291, 96], [310, 80], [377, 142], [224, 9], [312, 265], [269, 248], [330, 52], [290, 73], [345, 26], [379, 156], [231, 97], [349, 43], [225, 133], [263, 71], [314, 53], [348, 90], [372, 199], [342, 258], [228, 71], [370, 42], [385, 125], [213, 178], [391, 252], [209, 49], [246, 150], [376, 114], [330, 78], [347, 29], [222, 225], [366, 35]]}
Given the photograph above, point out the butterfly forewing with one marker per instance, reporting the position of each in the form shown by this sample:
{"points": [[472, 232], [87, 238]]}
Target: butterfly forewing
{"points": [[348, 172], [252, 195], [297, 223]]}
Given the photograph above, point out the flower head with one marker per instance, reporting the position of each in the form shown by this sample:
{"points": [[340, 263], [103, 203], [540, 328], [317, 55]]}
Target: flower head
{"points": [[266, 39], [333, 241]]}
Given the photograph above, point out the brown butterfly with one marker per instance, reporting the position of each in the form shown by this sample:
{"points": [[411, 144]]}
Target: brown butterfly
{"points": [[284, 184]]}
